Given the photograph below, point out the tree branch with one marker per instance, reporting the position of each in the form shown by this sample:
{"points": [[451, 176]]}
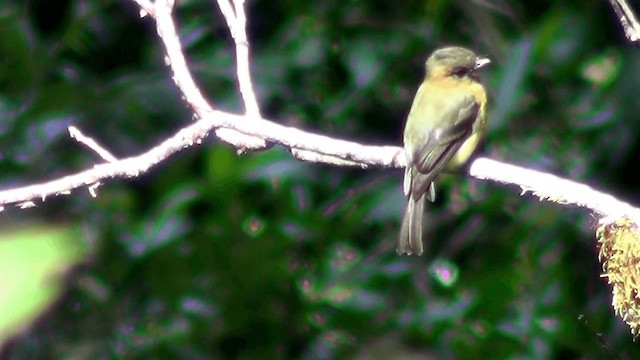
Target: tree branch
{"points": [[161, 11], [237, 23], [75, 133], [627, 20], [328, 149], [555, 189]]}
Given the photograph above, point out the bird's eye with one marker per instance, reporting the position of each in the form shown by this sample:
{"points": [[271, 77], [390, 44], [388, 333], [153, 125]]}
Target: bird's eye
{"points": [[459, 72]]}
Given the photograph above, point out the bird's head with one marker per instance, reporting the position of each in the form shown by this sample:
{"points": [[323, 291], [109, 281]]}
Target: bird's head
{"points": [[454, 61]]}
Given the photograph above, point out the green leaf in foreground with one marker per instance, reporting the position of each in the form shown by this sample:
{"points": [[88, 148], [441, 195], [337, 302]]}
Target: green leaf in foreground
{"points": [[33, 260]]}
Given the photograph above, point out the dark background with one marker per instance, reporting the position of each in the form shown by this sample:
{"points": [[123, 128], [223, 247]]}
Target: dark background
{"points": [[214, 255]]}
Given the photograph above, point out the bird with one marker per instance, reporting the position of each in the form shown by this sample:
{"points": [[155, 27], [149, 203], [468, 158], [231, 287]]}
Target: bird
{"points": [[446, 121]]}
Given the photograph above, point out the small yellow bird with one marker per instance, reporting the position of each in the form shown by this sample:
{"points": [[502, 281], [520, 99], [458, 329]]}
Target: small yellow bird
{"points": [[444, 126]]}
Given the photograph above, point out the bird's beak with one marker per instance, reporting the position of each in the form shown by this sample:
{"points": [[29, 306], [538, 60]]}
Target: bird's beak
{"points": [[482, 63]]}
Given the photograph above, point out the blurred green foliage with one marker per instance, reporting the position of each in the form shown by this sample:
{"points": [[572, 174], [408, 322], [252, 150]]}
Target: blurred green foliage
{"points": [[214, 255], [33, 261]]}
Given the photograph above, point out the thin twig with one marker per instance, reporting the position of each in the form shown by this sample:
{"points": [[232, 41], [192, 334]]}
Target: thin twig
{"points": [[237, 23], [162, 13], [353, 192], [124, 168], [603, 343], [75, 133], [627, 20]]}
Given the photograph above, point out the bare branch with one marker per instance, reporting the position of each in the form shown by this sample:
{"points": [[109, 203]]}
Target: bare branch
{"points": [[552, 188], [627, 20], [332, 151], [237, 23], [328, 150], [125, 168], [165, 26], [547, 187], [75, 133]]}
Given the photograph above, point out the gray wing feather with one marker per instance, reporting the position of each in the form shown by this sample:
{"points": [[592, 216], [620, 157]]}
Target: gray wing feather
{"points": [[440, 144]]}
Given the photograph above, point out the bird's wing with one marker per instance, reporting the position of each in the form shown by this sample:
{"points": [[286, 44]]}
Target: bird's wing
{"points": [[440, 142]]}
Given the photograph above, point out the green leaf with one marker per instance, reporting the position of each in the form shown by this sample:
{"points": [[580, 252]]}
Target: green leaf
{"points": [[33, 261]]}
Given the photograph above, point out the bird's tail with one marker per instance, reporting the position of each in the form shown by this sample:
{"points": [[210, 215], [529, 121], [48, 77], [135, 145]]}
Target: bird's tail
{"points": [[410, 241]]}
